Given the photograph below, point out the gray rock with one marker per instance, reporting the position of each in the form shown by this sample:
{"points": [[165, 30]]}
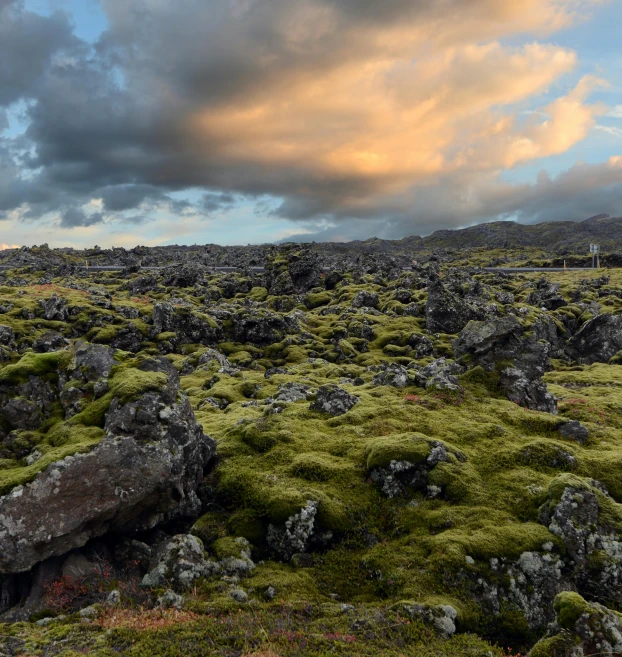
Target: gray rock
{"points": [[439, 375], [574, 430], [365, 299], [169, 599], [446, 312], [188, 325], [54, 309], [394, 375], [50, 341], [21, 413], [494, 343], [145, 470], [581, 629], [599, 339], [92, 361], [399, 476], [113, 598], [294, 537], [594, 547], [333, 400], [89, 612], [441, 617], [7, 337], [177, 562], [292, 392]]}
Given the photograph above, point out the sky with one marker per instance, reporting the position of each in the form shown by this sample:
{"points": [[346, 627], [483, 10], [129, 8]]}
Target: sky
{"points": [[155, 122]]}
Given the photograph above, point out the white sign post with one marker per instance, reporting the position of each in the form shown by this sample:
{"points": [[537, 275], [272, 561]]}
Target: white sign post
{"points": [[595, 251]]}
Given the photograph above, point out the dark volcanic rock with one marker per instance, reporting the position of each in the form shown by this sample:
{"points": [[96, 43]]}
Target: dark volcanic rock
{"points": [[598, 340], [145, 470], [365, 299], [521, 360], [188, 326], [188, 274], [445, 311], [333, 400], [50, 341], [263, 327], [574, 430], [55, 308]]}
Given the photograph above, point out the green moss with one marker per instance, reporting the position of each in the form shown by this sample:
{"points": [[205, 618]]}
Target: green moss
{"points": [[225, 547], [210, 527], [318, 299], [31, 364], [414, 448], [129, 383], [559, 645], [569, 607]]}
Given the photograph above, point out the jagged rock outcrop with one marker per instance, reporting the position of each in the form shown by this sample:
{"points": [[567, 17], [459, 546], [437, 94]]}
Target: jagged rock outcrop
{"points": [[408, 475], [145, 470], [446, 312], [502, 345], [546, 295], [294, 537], [580, 513], [598, 340], [50, 341], [187, 325], [263, 327], [187, 274]]}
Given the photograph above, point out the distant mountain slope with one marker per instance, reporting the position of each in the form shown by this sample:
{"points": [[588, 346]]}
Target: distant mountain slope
{"points": [[556, 236]]}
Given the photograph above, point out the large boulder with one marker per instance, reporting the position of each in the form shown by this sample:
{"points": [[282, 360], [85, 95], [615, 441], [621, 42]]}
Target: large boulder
{"points": [[598, 340], [146, 470], [187, 274], [446, 312], [262, 327], [188, 325], [504, 345]]}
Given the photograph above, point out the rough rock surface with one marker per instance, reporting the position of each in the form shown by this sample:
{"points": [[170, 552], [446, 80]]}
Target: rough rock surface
{"points": [[599, 339], [400, 476], [446, 312], [333, 400], [521, 360], [146, 469], [581, 629], [593, 545], [439, 375], [294, 537]]}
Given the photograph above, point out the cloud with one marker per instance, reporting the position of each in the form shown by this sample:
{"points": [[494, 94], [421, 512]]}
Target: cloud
{"points": [[73, 217], [334, 110], [29, 44], [580, 192]]}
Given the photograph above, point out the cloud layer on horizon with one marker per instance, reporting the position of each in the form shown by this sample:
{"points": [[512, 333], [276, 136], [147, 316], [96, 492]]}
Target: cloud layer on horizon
{"points": [[354, 117]]}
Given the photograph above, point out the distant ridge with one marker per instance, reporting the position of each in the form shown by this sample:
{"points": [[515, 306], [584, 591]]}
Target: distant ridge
{"points": [[559, 236]]}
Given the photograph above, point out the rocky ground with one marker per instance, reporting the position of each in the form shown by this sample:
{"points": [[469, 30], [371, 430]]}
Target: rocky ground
{"points": [[327, 457]]}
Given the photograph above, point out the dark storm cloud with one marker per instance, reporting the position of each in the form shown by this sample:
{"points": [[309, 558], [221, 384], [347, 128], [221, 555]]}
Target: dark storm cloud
{"points": [[28, 43], [127, 197], [302, 101], [73, 217], [216, 202]]}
